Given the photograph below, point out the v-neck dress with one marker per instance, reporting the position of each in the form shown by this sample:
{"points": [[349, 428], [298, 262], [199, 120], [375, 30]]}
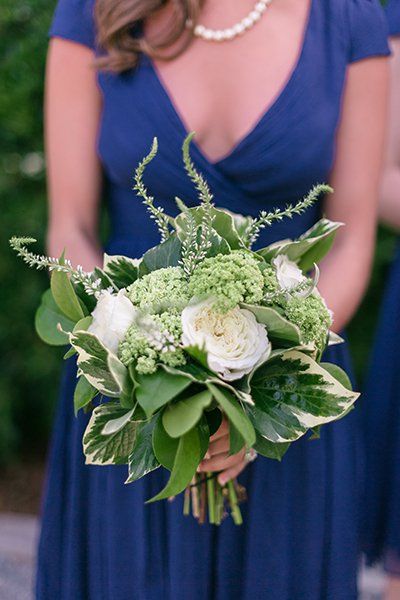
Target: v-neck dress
{"points": [[381, 401], [299, 538]]}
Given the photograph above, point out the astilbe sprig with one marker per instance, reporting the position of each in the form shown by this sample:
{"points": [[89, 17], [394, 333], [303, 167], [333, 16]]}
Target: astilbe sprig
{"points": [[91, 283], [156, 212], [267, 218]]}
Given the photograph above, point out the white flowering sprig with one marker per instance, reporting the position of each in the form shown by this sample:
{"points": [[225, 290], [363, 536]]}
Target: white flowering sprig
{"points": [[267, 218], [195, 243], [156, 212], [91, 283], [206, 200]]}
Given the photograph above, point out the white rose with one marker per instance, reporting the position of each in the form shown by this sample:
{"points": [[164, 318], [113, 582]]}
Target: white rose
{"points": [[113, 315], [235, 343], [288, 273]]}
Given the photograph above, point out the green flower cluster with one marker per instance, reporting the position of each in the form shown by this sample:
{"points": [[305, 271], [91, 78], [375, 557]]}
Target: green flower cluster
{"points": [[271, 284], [229, 278], [311, 316], [154, 341], [165, 289]]}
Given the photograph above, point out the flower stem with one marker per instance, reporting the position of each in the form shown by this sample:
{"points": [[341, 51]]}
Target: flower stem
{"points": [[235, 510], [186, 502], [211, 497]]}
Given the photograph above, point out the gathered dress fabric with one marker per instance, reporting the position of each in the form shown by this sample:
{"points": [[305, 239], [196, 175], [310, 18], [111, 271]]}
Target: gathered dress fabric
{"points": [[380, 531], [299, 538]]}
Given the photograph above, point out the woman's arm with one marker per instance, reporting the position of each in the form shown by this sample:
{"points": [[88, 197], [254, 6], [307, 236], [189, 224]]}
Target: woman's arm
{"points": [[72, 110], [390, 191], [356, 180]]}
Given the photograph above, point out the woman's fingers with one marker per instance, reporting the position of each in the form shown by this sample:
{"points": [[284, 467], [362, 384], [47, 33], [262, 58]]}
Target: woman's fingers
{"points": [[221, 445], [221, 462], [231, 473], [223, 430]]}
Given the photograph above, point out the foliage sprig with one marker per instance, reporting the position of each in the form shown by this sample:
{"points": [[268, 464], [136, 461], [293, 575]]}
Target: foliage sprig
{"points": [[156, 212], [91, 283], [267, 218]]}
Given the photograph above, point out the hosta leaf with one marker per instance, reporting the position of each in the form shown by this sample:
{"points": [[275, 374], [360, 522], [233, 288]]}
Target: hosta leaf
{"points": [[142, 459], [235, 413], [101, 449], [166, 254], [269, 449], [93, 362], [187, 459], [65, 297], [279, 329], [184, 414], [155, 390], [309, 249], [293, 393], [83, 394], [122, 270], [47, 318]]}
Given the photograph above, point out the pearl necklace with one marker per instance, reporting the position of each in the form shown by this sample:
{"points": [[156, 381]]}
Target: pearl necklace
{"points": [[221, 35]]}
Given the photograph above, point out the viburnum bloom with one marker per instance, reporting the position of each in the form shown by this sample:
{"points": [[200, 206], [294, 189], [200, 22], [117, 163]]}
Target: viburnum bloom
{"points": [[234, 341], [288, 274], [113, 315]]}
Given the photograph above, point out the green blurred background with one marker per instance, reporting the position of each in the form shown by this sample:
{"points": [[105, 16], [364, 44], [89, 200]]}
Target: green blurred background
{"points": [[29, 370]]}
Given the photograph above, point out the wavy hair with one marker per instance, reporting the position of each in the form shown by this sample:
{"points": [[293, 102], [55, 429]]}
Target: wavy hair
{"points": [[116, 21]]}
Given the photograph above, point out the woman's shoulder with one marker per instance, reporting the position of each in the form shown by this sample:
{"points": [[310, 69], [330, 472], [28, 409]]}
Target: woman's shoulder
{"points": [[360, 24], [75, 20]]}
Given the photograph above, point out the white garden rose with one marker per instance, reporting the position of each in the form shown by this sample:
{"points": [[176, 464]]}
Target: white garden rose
{"points": [[113, 315], [234, 341], [288, 273]]}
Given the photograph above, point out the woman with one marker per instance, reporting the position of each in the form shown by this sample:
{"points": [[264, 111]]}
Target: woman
{"points": [[298, 98], [381, 531]]}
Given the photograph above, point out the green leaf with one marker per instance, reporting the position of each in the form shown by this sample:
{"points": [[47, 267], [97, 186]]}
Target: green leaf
{"points": [[123, 270], [223, 224], [279, 329], [83, 394], [47, 318], [292, 393], [113, 449], [164, 446], [93, 361], [117, 424], [187, 459], [269, 449], [214, 420], [166, 254], [154, 391], [83, 324], [338, 374], [236, 441], [142, 459], [65, 297], [234, 412], [184, 414], [309, 249]]}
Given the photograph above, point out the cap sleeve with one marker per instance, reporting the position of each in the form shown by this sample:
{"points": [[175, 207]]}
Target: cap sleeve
{"points": [[368, 30], [74, 20], [393, 16]]}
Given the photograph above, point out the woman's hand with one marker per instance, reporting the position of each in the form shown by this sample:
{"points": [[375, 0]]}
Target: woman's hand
{"points": [[217, 457]]}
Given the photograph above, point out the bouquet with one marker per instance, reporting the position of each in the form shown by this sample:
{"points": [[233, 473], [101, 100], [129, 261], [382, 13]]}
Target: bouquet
{"points": [[199, 328]]}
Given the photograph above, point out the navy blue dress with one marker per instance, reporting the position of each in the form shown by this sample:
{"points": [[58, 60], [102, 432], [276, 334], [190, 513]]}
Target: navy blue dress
{"points": [[381, 523], [299, 540]]}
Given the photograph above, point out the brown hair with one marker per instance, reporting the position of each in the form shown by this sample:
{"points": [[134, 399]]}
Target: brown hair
{"points": [[116, 20]]}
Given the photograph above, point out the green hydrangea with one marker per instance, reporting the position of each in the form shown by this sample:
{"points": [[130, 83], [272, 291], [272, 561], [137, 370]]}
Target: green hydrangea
{"points": [[270, 281], [230, 278], [311, 316], [165, 289], [156, 340]]}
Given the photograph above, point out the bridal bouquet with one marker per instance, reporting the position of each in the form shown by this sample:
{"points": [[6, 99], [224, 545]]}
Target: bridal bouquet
{"points": [[200, 327]]}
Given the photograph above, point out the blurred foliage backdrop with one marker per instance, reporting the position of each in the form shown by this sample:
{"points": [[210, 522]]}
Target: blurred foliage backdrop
{"points": [[29, 370]]}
